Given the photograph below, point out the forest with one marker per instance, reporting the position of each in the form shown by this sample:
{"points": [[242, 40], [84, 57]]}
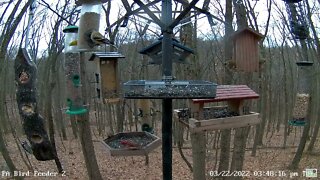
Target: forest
{"points": [[163, 89]]}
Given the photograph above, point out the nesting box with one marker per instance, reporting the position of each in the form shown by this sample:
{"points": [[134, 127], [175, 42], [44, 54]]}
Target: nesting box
{"points": [[154, 51], [246, 50], [106, 74]]}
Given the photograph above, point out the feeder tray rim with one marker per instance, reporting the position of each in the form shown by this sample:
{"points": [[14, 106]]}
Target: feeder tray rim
{"points": [[304, 63], [71, 29], [76, 112]]}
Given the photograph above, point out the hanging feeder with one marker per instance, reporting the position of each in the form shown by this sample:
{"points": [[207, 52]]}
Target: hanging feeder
{"points": [[72, 71], [301, 105], [89, 21], [131, 144], [106, 75], [246, 50], [297, 19], [154, 51], [70, 39]]}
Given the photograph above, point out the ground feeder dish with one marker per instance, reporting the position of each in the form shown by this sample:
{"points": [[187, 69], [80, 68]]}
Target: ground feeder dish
{"points": [[157, 89], [131, 143]]}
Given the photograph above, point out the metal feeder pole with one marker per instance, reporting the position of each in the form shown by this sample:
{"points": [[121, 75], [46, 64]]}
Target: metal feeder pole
{"points": [[167, 103]]}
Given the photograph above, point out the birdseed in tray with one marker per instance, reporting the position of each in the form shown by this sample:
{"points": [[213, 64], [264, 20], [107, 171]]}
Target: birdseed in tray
{"points": [[143, 89], [131, 140], [208, 113]]}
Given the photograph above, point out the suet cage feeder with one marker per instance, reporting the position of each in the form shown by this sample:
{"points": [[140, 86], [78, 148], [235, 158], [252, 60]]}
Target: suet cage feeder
{"points": [[154, 51], [106, 75], [70, 39], [162, 89], [131, 143], [246, 50], [89, 21], [297, 19], [301, 105]]}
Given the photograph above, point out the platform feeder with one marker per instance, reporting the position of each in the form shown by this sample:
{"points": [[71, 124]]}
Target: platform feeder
{"points": [[246, 50], [154, 51], [106, 75], [301, 105]]}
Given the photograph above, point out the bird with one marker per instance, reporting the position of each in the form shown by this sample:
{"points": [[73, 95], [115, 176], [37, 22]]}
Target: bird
{"points": [[26, 147], [73, 43], [98, 39], [129, 144]]}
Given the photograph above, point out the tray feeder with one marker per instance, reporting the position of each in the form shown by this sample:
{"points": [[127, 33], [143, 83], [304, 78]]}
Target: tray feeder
{"points": [[154, 51], [162, 89], [246, 50], [199, 118], [131, 143], [301, 105], [106, 75], [297, 19]]}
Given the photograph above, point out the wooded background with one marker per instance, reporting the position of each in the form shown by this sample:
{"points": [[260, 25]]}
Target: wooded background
{"points": [[276, 82]]}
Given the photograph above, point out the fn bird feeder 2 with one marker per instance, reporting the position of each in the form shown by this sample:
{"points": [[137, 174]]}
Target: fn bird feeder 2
{"points": [[106, 75], [246, 50]]}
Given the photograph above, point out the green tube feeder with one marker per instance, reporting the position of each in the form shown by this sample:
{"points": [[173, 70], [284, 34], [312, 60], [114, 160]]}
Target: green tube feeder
{"points": [[73, 110], [76, 80]]}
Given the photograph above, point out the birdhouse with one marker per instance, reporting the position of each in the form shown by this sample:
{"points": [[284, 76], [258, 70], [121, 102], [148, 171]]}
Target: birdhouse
{"points": [[246, 50], [106, 75], [154, 51]]}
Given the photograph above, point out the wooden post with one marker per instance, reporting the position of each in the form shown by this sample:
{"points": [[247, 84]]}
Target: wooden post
{"points": [[198, 142]]}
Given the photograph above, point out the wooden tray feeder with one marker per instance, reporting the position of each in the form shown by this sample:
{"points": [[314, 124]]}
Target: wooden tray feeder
{"points": [[154, 51], [234, 95], [246, 50], [131, 144], [106, 75]]}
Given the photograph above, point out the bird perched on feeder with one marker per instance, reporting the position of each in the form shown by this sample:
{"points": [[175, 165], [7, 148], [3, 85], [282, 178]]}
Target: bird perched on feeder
{"points": [[98, 39], [129, 144]]}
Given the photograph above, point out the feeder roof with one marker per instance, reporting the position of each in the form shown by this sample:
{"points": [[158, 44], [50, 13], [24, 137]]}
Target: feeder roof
{"points": [[153, 48], [106, 55], [304, 63], [80, 2], [71, 29], [238, 33]]}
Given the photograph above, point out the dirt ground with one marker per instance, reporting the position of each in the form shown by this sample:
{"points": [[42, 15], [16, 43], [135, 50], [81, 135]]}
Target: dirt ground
{"points": [[270, 159]]}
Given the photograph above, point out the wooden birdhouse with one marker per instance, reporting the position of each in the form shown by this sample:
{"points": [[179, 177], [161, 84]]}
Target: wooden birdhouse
{"points": [[246, 50], [106, 75], [154, 51]]}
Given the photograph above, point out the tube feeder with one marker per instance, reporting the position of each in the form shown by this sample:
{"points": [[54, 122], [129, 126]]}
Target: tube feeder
{"points": [[106, 75], [297, 19], [301, 105], [89, 22], [72, 71]]}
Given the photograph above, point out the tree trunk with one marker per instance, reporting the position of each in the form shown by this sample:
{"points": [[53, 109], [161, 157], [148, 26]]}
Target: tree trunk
{"points": [[85, 131], [228, 76]]}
